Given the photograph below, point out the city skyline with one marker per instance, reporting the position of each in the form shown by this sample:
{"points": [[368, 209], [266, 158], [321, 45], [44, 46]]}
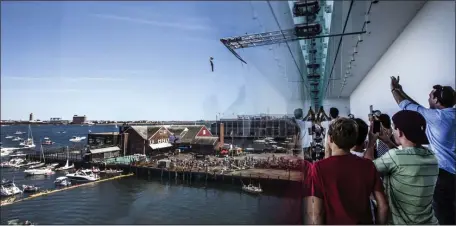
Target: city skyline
{"points": [[128, 61]]}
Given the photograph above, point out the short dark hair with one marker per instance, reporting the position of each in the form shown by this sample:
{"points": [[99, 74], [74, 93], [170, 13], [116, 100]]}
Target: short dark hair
{"points": [[344, 133], [385, 120], [334, 112], [445, 95], [363, 130]]}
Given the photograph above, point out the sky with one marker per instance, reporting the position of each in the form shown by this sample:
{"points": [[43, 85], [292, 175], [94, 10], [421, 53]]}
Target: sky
{"points": [[139, 61]]}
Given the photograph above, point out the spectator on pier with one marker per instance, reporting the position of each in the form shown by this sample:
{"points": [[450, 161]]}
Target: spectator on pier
{"points": [[441, 131], [339, 196], [410, 173]]}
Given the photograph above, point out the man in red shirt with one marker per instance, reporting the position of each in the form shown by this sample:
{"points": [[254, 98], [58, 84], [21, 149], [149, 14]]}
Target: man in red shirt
{"points": [[343, 183]]}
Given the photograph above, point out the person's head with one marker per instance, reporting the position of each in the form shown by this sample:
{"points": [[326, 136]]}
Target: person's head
{"points": [[409, 128], [385, 121], [343, 134], [442, 97], [363, 130], [334, 113], [298, 114]]}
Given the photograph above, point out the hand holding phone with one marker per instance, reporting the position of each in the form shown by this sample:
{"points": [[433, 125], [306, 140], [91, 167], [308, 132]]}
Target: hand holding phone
{"points": [[376, 127]]}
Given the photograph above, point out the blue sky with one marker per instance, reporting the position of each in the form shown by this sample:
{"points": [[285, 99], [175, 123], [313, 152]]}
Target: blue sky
{"points": [[135, 61]]}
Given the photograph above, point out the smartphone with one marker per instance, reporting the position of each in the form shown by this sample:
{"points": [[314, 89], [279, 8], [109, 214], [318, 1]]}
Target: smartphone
{"points": [[371, 108], [376, 127]]}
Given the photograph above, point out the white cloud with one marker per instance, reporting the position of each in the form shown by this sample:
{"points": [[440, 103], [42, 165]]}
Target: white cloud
{"points": [[182, 26]]}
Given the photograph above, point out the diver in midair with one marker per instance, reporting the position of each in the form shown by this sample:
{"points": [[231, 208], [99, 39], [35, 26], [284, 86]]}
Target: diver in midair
{"points": [[212, 63]]}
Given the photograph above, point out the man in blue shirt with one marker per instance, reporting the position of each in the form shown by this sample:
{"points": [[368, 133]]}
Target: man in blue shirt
{"points": [[441, 132]]}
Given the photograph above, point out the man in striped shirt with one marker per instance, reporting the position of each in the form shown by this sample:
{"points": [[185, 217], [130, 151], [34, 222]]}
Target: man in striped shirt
{"points": [[441, 132], [410, 174]]}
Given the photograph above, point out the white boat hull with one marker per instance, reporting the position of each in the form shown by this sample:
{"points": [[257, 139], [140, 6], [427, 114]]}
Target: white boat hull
{"points": [[33, 172]]}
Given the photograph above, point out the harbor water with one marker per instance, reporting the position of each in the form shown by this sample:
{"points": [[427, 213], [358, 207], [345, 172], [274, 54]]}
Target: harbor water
{"points": [[139, 201]]}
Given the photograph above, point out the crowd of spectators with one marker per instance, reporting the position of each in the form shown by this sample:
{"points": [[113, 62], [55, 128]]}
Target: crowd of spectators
{"points": [[400, 173]]}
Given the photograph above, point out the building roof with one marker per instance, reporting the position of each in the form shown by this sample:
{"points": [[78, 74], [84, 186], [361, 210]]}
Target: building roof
{"points": [[189, 135], [146, 131], [104, 150], [141, 130], [205, 140]]}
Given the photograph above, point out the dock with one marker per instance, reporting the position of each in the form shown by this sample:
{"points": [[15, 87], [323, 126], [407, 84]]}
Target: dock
{"points": [[45, 193]]}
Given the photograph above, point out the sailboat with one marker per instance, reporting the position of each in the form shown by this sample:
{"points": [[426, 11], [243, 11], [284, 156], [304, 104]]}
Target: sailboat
{"points": [[29, 142], [39, 171], [67, 165]]}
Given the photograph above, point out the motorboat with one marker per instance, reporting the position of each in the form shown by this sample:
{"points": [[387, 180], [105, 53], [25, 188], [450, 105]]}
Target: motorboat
{"points": [[83, 176], [18, 132], [62, 181], [12, 163], [111, 171], [30, 188], [28, 164], [77, 139], [38, 171], [9, 137], [252, 189], [6, 152], [9, 189], [17, 139], [47, 141]]}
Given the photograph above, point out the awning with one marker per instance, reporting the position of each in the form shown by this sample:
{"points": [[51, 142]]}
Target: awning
{"points": [[104, 150], [160, 145]]}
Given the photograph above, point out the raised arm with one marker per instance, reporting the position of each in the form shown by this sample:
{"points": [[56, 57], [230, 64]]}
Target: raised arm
{"points": [[399, 94]]}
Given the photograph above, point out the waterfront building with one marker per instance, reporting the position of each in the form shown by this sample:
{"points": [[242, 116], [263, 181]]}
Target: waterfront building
{"points": [[31, 117], [79, 119]]}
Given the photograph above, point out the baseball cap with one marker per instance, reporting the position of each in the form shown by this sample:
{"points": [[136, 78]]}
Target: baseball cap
{"points": [[412, 124]]}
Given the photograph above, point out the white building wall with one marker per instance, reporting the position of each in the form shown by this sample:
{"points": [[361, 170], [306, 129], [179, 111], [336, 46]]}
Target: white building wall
{"points": [[423, 55]]}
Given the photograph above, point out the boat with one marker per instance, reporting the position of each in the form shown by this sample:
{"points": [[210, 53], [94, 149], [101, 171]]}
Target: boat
{"points": [[9, 137], [52, 165], [47, 141], [77, 139], [6, 152], [38, 171], [8, 201], [9, 189], [29, 142], [36, 165], [30, 188], [252, 189], [83, 175], [111, 171], [12, 163], [18, 132], [18, 155], [67, 164], [62, 181], [18, 222], [17, 139]]}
